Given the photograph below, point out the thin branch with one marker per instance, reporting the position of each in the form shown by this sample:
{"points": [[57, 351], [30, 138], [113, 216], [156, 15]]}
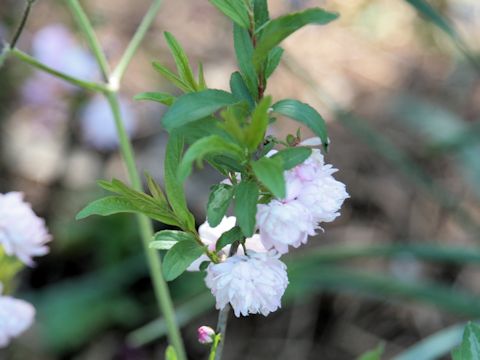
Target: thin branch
{"points": [[222, 330], [22, 24], [93, 86], [92, 40], [134, 43]]}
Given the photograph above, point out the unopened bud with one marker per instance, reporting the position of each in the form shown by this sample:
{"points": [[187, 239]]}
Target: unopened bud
{"points": [[206, 335]]}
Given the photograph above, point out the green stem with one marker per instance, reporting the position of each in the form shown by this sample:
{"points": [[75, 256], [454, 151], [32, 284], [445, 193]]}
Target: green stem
{"points": [[213, 350], [23, 22], [134, 43], [87, 28], [93, 86], [221, 332], [146, 231]]}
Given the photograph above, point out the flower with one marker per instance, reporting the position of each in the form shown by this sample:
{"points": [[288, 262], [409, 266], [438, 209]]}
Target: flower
{"points": [[283, 224], [252, 283], [209, 237], [205, 335], [22, 233], [98, 125], [16, 316]]}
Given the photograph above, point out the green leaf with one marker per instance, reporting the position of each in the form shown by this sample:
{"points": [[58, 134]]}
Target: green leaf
{"points": [[201, 77], [470, 346], [181, 60], [260, 10], [179, 258], [293, 156], [244, 53], [155, 190], [270, 173], [375, 354], [304, 114], [236, 10], [170, 76], [174, 187], [218, 203], [278, 29], [170, 353], [255, 132], [160, 97], [195, 106], [210, 145], [273, 59], [162, 244], [246, 196], [111, 205], [240, 90], [173, 235], [229, 237]]}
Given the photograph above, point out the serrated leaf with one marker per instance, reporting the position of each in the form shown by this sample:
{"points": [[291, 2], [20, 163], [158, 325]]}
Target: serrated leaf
{"points": [[293, 156], [111, 205], [179, 258], [236, 10], [210, 145], [244, 53], [273, 59], [218, 203], [269, 172], [304, 114], [246, 196], [173, 187], [162, 98], [195, 106], [240, 90], [181, 60], [170, 76], [229, 237], [278, 29], [255, 132]]}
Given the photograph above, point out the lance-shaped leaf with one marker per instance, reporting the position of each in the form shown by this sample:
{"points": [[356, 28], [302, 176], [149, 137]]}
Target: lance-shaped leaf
{"points": [[246, 196], [236, 10], [211, 145], [270, 173], [160, 97], [173, 187], [240, 90], [218, 203], [255, 132], [273, 59], [179, 258], [195, 106], [181, 60], [244, 54], [293, 156], [304, 114], [170, 76], [278, 29], [111, 205], [166, 239], [260, 10], [229, 237]]}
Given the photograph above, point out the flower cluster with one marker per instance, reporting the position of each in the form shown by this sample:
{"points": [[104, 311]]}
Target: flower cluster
{"points": [[254, 279], [23, 235], [313, 197]]}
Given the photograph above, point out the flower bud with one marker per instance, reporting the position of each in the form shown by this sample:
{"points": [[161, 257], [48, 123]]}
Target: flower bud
{"points": [[206, 335]]}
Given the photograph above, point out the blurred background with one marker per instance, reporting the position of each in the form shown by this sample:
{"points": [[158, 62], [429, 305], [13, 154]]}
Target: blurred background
{"points": [[401, 96]]}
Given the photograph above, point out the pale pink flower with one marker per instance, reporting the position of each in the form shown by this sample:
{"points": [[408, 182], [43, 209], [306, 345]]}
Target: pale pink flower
{"points": [[209, 237], [252, 283], [16, 316], [22, 233], [206, 335], [283, 224]]}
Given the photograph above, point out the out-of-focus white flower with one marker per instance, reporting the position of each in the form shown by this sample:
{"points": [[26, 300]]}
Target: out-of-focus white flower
{"points": [[98, 125], [283, 224], [22, 233], [206, 335], [16, 316], [252, 283], [209, 237]]}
